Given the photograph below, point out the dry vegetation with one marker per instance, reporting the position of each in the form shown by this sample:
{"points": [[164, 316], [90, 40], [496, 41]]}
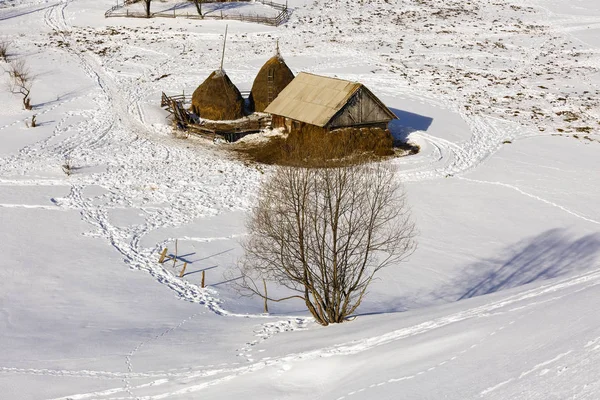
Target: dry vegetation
{"points": [[260, 97], [217, 98], [4, 47], [488, 57], [314, 147], [21, 81]]}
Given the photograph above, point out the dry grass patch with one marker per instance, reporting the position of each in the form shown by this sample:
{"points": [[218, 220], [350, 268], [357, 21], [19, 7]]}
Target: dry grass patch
{"points": [[315, 147]]}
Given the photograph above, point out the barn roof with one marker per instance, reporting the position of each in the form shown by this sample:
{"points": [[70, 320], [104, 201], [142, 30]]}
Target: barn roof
{"points": [[315, 99]]}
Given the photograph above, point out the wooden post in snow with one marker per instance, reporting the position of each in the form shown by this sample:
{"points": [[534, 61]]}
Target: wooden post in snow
{"points": [[183, 270], [162, 256], [202, 284], [175, 258]]}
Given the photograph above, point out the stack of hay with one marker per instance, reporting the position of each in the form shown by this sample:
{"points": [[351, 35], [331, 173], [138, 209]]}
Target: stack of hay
{"points": [[218, 99], [272, 78]]}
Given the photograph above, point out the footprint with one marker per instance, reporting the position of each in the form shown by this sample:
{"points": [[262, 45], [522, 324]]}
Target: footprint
{"points": [[561, 369]]}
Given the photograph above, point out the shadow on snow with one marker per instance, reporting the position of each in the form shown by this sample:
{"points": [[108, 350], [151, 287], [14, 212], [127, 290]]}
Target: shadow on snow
{"points": [[407, 123], [552, 254]]}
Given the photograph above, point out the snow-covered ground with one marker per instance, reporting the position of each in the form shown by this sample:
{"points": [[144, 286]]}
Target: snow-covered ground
{"points": [[498, 302]]}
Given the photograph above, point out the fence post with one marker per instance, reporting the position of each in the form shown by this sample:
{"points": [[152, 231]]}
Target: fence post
{"points": [[202, 284], [183, 270], [175, 257], [266, 295], [162, 256]]}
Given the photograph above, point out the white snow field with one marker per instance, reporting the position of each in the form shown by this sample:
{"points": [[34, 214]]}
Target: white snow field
{"points": [[500, 301]]}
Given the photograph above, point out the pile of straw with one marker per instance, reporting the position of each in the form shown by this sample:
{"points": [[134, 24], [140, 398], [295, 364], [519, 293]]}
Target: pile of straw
{"points": [[218, 99]]}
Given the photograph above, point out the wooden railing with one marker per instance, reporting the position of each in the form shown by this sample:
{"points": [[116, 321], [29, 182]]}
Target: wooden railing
{"points": [[281, 18], [110, 11], [230, 130]]}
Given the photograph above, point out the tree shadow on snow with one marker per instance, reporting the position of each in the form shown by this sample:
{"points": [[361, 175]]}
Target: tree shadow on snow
{"points": [[179, 6], [228, 6], [407, 123], [552, 254]]}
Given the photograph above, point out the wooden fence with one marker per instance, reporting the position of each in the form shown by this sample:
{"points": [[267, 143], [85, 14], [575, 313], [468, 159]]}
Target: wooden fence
{"points": [[281, 18], [230, 131]]}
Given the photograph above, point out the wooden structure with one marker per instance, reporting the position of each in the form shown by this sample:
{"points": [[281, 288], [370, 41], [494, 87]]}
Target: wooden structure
{"points": [[228, 130], [121, 10], [174, 105], [327, 103]]}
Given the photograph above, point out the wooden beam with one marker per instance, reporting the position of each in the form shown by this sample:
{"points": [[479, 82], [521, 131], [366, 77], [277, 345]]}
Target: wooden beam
{"points": [[162, 256], [183, 270]]}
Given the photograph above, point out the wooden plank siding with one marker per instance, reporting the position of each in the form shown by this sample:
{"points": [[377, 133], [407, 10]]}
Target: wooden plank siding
{"points": [[361, 109]]}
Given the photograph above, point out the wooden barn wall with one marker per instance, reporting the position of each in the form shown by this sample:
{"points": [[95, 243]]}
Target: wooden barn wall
{"points": [[361, 109]]}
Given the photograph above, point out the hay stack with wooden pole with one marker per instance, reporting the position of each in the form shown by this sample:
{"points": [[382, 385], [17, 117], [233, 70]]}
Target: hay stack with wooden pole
{"points": [[217, 98], [272, 78]]}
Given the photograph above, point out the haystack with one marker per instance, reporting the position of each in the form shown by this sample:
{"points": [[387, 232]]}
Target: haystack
{"points": [[218, 99], [272, 78]]}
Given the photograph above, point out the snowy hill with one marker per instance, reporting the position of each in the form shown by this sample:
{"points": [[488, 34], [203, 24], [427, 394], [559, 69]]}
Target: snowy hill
{"points": [[498, 302]]}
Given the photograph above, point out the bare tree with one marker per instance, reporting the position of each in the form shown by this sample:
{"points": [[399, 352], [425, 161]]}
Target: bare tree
{"points": [[147, 7], [21, 81], [323, 233], [198, 4]]}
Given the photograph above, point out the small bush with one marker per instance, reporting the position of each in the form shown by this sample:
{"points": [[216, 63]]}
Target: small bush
{"points": [[21, 81], [33, 123], [67, 166], [4, 46]]}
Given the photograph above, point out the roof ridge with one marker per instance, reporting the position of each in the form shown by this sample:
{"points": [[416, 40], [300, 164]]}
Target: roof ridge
{"points": [[330, 77]]}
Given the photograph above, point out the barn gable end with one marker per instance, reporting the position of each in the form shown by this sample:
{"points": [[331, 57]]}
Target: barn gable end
{"points": [[363, 108]]}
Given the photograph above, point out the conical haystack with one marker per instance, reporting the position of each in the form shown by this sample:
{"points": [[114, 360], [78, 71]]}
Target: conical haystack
{"points": [[272, 78], [218, 99]]}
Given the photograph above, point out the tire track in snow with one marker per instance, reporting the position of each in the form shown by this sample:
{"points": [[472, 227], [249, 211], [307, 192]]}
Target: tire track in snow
{"points": [[458, 158]]}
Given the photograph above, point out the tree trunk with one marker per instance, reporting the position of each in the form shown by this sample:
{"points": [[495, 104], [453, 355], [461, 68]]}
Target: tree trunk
{"points": [[147, 3], [198, 4]]}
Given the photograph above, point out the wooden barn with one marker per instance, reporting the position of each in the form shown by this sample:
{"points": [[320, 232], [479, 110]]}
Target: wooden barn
{"points": [[327, 103]]}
